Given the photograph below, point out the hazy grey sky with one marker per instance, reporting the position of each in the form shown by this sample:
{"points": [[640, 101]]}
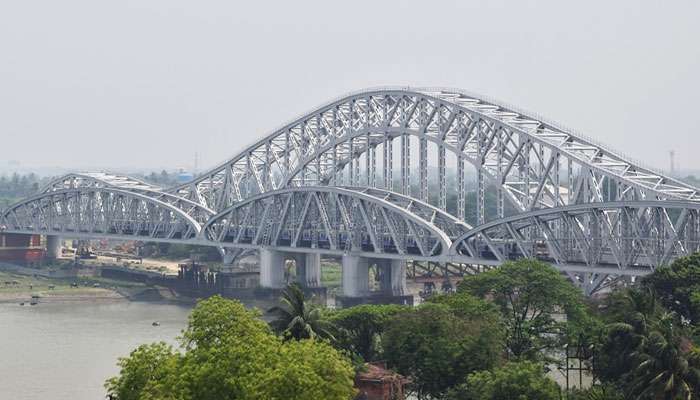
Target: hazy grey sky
{"points": [[146, 83]]}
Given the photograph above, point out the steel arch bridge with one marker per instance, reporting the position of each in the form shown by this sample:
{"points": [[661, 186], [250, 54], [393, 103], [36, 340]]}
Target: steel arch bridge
{"points": [[385, 173]]}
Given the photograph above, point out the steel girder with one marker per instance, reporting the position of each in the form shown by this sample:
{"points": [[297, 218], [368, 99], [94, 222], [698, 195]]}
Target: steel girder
{"points": [[100, 212], [108, 180], [98, 179], [533, 163], [442, 220], [618, 238], [327, 219]]}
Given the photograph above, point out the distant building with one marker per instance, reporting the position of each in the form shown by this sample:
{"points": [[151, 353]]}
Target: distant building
{"points": [[21, 248]]}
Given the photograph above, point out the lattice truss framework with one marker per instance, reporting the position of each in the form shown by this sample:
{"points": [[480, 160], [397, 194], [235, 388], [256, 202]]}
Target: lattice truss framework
{"points": [[100, 212], [333, 220], [109, 180], [353, 141], [342, 157], [627, 236]]}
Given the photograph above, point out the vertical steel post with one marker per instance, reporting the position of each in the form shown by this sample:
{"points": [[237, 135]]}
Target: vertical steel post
{"points": [[460, 188], [442, 201], [423, 166]]}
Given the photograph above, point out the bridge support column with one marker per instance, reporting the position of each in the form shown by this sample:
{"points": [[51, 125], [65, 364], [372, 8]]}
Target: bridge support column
{"points": [[392, 285], [355, 278], [308, 269], [393, 277], [53, 246], [397, 277], [271, 269]]}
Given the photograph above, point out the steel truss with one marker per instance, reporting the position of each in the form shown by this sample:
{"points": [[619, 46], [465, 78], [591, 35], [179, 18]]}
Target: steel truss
{"points": [[532, 163], [327, 219], [108, 180], [601, 239], [325, 183], [100, 212]]}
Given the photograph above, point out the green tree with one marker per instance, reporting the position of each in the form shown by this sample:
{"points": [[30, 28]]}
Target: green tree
{"points": [[678, 286], [297, 318], [230, 354], [666, 370], [513, 381], [359, 328], [629, 315], [437, 349], [146, 374], [646, 349], [529, 293]]}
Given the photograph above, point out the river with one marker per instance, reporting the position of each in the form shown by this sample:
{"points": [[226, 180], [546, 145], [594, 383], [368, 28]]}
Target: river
{"points": [[65, 351]]}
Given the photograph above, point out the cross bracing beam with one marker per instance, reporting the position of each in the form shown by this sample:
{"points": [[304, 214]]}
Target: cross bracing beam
{"points": [[100, 212], [534, 163], [97, 179], [444, 221], [331, 220], [122, 182], [632, 236]]}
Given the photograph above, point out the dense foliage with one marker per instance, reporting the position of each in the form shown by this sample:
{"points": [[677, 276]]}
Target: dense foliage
{"points": [[529, 293], [438, 347], [359, 329], [297, 318], [512, 381], [495, 338], [678, 286], [229, 353]]}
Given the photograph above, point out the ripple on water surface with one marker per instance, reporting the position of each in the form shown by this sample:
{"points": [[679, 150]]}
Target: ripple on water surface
{"points": [[65, 351]]}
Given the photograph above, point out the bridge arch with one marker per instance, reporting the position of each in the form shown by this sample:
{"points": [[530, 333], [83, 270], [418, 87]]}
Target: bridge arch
{"points": [[100, 212], [81, 180], [532, 162], [626, 237], [76, 180], [327, 219]]}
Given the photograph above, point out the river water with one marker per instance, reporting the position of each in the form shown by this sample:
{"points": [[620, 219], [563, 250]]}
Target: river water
{"points": [[65, 351]]}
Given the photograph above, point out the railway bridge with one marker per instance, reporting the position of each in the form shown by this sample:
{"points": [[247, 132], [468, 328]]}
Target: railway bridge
{"points": [[387, 176]]}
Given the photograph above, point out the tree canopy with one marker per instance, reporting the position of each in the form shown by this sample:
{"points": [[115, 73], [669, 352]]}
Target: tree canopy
{"points": [[229, 353], [529, 293], [359, 328], [297, 318], [678, 286], [437, 348], [512, 381]]}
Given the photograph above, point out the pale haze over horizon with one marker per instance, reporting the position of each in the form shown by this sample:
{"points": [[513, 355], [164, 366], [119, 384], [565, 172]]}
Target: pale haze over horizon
{"points": [[144, 84]]}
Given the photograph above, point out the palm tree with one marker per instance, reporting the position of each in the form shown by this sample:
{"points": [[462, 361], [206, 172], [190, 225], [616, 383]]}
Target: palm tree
{"points": [[647, 350], [668, 366], [299, 319]]}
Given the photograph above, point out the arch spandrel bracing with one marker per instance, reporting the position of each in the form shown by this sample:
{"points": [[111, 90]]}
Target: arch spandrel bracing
{"points": [[635, 235], [351, 141], [334, 220], [123, 182], [100, 212]]}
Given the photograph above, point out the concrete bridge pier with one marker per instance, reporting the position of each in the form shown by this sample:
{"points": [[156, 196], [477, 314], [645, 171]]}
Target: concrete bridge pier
{"points": [[273, 277], [393, 277], [308, 269], [272, 269], [355, 276], [53, 246], [355, 281]]}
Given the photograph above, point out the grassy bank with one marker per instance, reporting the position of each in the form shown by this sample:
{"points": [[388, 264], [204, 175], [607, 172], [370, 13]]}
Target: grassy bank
{"points": [[16, 288]]}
